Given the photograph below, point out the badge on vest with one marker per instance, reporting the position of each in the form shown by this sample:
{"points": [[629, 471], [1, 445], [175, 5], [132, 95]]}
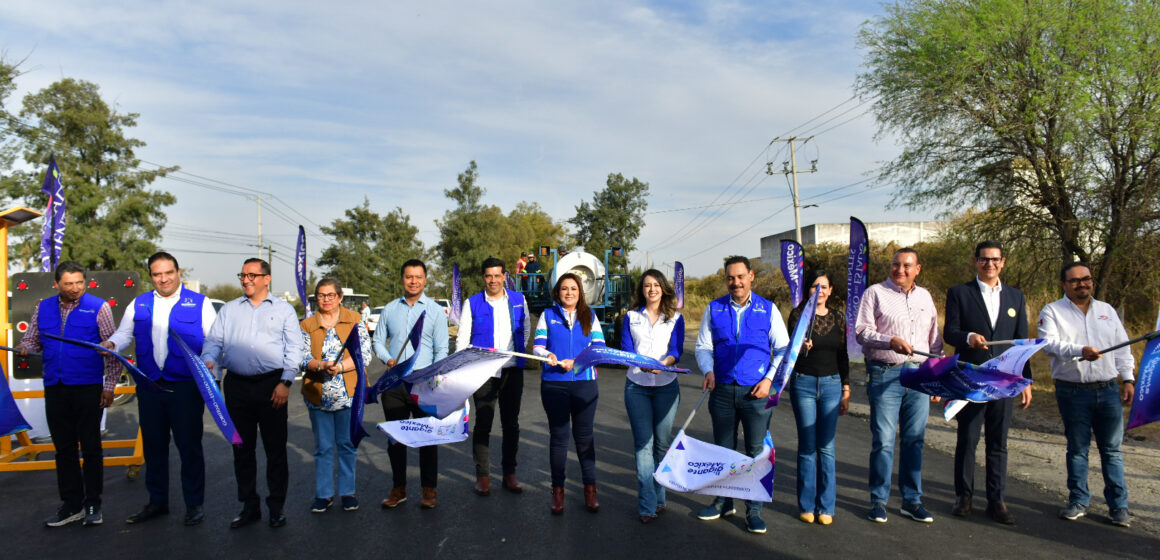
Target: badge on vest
{"points": [[188, 302], [86, 311], [1011, 312]]}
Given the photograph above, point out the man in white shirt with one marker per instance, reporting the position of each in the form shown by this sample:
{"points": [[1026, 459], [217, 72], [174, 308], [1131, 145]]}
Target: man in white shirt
{"points": [[1077, 326], [496, 318]]}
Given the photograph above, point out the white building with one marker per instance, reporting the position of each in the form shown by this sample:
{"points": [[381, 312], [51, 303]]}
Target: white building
{"points": [[902, 233]]}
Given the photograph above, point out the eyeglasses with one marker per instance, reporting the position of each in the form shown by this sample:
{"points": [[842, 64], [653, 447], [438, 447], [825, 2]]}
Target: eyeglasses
{"points": [[326, 297], [249, 276], [992, 260], [1078, 281]]}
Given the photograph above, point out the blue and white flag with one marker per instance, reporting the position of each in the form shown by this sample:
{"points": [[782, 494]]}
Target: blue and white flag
{"points": [[210, 393], [785, 368], [138, 376], [393, 377], [52, 233], [1146, 399], [11, 421], [596, 354], [300, 269], [792, 263], [509, 281], [857, 278], [440, 388], [679, 283], [456, 296], [999, 378], [695, 466], [353, 346], [429, 430]]}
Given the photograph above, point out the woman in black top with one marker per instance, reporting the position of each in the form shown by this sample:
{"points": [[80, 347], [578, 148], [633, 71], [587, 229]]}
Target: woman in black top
{"points": [[819, 392]]}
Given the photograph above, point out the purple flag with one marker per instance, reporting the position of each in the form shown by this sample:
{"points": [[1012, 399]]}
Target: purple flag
{"points": [[52, 235], [11, 421], [456, 296], [600, 354], [679, 283], [138, 376], [858, 265], [393, 377], [792, 262], [509, 282], [353, 345], [300, 269], [209, 390], [951, 379], [441, 388], [1146, 400], [800, 330]]}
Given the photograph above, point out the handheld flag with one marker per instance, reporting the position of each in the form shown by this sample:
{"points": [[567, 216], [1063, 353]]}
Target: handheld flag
{"points": [[996, 379], [11, 421], [785, 368], [440, 388], [429, 430], [209, 390], [300, 269], [353, 345], [52, 234], [456, 296], [1146, 399], [695, 466], [393, 377], [600, 354], [679, 283], [857, 277], [792, 263], [138, 376]]}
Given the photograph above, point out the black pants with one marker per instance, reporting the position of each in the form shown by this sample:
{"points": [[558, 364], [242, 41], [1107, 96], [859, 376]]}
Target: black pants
{"points": [[995, 418], [74, 417], [571, 407], [398, 405], [508, 391], [179, 413], [248, 402]]}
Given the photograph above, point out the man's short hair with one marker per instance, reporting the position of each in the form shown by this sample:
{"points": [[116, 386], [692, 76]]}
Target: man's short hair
{"points": [[907, 250], [735, 259], [69, 266], [161, 255], [410, 263], [1069, 266], [989, 244], [265, 266], [491, 262]]}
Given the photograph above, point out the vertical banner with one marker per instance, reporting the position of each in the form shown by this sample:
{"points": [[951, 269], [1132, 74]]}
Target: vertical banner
{"points": [[456, 296], [792, 262], [509, 281], [858, 265], [52, 235], [1146, 400], [679, 283], [300, 269]]}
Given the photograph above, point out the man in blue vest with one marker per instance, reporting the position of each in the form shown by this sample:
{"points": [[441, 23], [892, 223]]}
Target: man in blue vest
{"points": [[739, 347], [148, 320], [78, 383], [496, 318]]}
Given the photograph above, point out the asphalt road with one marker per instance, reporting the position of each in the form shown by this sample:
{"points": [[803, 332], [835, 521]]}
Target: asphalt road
{"points": [[520, 526]]}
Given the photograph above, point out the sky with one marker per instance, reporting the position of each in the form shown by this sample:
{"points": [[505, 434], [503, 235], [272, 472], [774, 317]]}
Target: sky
{"points": [[324, 104]]}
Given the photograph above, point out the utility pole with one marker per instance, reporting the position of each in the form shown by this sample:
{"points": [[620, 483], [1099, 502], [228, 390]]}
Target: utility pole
{"points": [[270, 254], [790, 168], [259, 199]]}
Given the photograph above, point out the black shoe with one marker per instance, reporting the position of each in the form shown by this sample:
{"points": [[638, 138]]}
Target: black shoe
{"points": [[64, 516], [93, 516], [277, 520], [194, 515], [245, 517], [148, 512]]}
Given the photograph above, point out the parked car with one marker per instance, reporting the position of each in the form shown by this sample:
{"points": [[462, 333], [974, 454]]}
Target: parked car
{"points": [[445, 304], [217, 304], [373, 320]]}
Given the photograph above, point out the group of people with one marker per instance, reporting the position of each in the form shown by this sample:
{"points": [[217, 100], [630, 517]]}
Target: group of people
{"points": [[259, 340]]}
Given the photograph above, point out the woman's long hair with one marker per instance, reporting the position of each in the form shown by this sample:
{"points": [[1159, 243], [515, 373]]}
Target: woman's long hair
{"points": [[583, 312], [668, 296], [812, 276]]}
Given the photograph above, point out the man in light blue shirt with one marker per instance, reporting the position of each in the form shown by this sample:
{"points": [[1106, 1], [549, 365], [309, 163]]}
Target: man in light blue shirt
{"points": [[257, 339], [395, 323]]}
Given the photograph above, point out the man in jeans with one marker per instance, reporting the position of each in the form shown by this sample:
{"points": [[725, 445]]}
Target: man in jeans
{"points": [[896, 318], [739, 347], [1077, 326]]}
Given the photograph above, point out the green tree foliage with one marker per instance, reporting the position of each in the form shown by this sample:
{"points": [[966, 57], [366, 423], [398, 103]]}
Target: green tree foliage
{"points": [[113, 217], [369, 251], [614, 218], [1042, 112], [472, 231]]}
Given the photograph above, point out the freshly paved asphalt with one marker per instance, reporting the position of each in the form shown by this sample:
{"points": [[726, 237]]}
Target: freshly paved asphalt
{"points": [[519, 526]]}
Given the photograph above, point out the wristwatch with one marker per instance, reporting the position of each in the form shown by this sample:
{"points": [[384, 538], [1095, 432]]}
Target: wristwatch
{"points": [[287, 382]]}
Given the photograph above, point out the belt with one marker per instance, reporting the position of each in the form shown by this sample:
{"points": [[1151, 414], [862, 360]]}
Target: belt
{"points": [[887, 364], [1092, 385], [256, 377]]}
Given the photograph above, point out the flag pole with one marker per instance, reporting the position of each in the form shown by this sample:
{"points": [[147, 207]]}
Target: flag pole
{"points": [[523, 355], [694, 411], [1148, 336]]}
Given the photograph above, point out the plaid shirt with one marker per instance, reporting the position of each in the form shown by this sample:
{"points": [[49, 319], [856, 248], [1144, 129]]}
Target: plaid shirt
{"points": [[105, 324]]}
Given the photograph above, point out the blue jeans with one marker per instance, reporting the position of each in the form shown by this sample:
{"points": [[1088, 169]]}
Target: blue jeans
{"points": [[895, 410], [815, 403], [1085, 411], [729, 405], [650, 414], [331, 431]]}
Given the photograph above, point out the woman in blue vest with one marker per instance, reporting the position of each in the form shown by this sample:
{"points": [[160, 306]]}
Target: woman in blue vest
{"points": [[819, 391], [655, 329], [569, 396]]}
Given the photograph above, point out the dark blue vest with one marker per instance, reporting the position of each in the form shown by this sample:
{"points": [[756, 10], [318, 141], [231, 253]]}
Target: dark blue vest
{"points": [[68, 363], [184, 319], [742, 359], [483, 324], [565, 343]]}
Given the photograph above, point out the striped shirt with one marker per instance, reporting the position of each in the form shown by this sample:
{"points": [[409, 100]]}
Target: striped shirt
{"points": [[886, 312]]}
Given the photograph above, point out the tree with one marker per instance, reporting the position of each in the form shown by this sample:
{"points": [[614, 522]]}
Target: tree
{"points": [[1043, 112], [613, 219], [113, 217], [369, 251]]}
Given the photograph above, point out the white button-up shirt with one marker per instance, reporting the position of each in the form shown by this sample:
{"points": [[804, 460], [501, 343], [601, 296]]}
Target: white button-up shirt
{"points": [[652, 340], [501, 326], [1068, 329], [162, 307]]}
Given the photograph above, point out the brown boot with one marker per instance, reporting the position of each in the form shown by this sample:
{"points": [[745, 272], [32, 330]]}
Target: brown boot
{"points": [[590, 498], [397, 496], [557, 500], [511, 484], [962, 506], [428, 501], [483, 485]]}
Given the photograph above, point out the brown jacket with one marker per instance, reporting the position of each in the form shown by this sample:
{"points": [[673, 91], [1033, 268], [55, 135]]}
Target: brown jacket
{"points": [[312, 382]]}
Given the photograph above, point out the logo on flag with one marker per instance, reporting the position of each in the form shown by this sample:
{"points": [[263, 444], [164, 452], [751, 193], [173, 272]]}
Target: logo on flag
{"points": [[691, 465]]}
